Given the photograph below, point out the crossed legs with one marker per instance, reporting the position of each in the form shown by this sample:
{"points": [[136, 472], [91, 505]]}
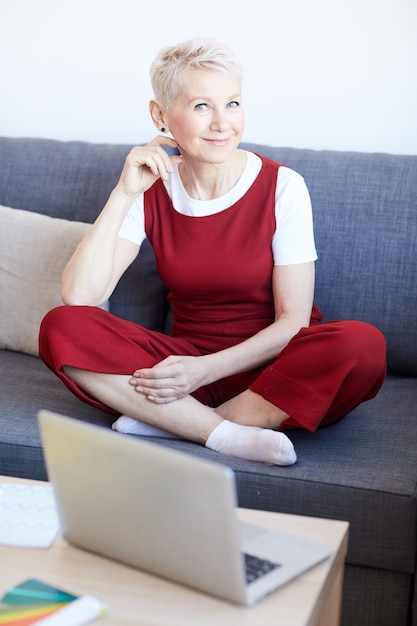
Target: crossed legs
{"points": [[323, 374], [189, 419]]}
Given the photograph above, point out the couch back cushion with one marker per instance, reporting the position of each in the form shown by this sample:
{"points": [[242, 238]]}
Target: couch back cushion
{"points": [[365, 219], [365, 214], [72, 180], [34, 250]]}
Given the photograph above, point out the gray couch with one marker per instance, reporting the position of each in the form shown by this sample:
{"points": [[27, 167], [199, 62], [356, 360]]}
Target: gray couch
{"points": [[363, 469]]}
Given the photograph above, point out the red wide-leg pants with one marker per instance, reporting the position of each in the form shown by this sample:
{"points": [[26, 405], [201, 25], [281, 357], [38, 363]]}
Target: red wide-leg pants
{"points": [[323, 373]]}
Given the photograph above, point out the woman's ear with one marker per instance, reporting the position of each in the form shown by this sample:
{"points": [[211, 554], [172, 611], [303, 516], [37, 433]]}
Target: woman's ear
{"points": [[157, 115]]}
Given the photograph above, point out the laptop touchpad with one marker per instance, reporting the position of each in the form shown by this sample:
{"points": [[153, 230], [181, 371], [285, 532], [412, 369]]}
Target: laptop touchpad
{"points": [[248, 532]]}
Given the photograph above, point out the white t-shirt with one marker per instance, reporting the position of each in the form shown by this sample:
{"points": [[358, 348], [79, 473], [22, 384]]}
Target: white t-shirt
{"points": [[293, 241]]}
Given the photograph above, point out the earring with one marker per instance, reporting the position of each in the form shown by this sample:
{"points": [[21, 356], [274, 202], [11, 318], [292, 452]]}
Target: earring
{"points": [[163, 129]]}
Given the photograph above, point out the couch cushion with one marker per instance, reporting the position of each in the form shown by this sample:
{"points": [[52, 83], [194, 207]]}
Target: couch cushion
{"points": [[72, 180], [361, 469], [365, 212], [20, 445], [34, 250], [365, 221]]}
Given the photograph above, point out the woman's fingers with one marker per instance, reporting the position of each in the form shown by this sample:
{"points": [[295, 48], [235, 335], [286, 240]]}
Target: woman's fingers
{"points": [[145, 164], [167, 381]]}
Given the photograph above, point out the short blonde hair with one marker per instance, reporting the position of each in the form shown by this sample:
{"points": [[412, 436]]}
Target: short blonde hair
{"points": [[168, 68]]}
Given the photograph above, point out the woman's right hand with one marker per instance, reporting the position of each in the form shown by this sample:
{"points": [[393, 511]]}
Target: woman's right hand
{"points": [[145, 164]]}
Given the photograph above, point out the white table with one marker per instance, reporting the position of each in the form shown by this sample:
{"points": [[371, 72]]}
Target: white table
{"points": [[139, 599]]}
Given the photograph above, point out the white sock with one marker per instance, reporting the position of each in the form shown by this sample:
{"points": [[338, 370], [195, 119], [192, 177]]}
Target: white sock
{"points": [[130, 426], [252, 443]]}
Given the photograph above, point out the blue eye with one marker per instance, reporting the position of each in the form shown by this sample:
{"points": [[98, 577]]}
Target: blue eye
{"points": [[233, 105], [201, 107]]}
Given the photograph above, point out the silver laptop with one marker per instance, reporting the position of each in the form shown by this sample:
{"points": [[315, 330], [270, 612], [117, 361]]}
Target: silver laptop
{"points": [[164, 512]]}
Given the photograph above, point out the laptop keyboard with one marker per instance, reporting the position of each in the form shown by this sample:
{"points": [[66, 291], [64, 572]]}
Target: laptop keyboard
{"points": [[256, 567]]}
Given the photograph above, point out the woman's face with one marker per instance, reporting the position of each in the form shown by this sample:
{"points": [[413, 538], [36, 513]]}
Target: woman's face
{"points": [[207, 119]]}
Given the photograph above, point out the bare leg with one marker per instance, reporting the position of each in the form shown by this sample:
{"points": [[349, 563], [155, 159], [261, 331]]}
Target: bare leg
{"points": [[250, 409], [195, 424], [188, 419]]}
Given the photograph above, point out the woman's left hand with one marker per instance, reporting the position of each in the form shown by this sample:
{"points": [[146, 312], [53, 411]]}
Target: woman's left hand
{"points": [[173, 378]]}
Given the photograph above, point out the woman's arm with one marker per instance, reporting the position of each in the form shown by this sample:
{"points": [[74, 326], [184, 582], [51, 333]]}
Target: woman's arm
{"points": [[102, 256], [178, 376], [100, 259]]}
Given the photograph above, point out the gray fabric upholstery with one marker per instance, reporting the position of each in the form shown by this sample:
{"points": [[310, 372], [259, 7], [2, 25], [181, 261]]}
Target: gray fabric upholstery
{"points": [[76, 185], [375, 596], [365, 215], [362, 469]]}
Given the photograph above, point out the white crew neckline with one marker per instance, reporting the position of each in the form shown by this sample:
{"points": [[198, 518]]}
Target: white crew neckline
{"points": [[186, 205]]}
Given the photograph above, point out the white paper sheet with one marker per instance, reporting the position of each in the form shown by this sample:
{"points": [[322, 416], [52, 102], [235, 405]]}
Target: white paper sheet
{"points": [[28, 516]]}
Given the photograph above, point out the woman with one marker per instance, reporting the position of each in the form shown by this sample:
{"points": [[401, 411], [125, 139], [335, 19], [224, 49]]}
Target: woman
{"points": [[233, 238]]}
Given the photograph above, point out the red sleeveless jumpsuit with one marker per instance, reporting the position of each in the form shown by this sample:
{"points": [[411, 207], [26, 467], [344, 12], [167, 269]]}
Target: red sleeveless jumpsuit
{"points": [[218, 271]]}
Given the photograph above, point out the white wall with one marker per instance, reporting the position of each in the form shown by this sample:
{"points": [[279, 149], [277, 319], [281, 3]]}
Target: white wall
{"points": [[336, 74]]}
